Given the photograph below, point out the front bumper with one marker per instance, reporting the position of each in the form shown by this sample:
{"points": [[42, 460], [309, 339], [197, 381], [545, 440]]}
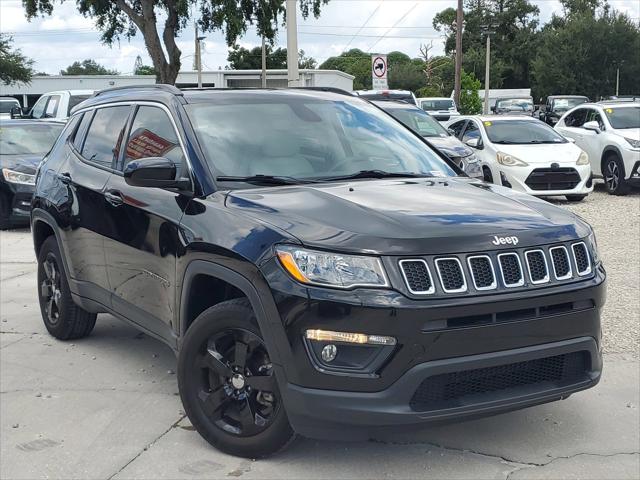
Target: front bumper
{"points": [[517, 179], [634, 175], [20, 196]]}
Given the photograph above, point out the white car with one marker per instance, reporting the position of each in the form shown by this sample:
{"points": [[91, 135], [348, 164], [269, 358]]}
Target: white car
{"points": [[526, 154], [7, 104], [58, 105], [610, 133], [442, 108]]}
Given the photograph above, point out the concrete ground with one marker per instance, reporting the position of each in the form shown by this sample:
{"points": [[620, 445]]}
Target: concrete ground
{"points": [[107, 406]]}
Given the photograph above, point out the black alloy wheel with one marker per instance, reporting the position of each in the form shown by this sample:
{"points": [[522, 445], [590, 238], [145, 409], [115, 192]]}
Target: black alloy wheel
{"points": [[613, 173], [50, 289]]}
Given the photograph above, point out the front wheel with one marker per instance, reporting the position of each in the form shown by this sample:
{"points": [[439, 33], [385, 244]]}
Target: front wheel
{"points": [[575, 198], [227, 383], [613, 172]]}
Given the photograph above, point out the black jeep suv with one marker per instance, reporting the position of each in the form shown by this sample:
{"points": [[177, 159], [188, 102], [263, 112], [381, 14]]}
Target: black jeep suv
{"points": [[316, 267]]}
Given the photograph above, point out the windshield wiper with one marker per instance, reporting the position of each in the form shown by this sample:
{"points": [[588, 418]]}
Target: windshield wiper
{"points": [[375, 174], [264, 179]]}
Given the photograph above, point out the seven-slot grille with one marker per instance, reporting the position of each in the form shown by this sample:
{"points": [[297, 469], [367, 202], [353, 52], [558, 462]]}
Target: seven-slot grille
{"points": [[535, 267]]}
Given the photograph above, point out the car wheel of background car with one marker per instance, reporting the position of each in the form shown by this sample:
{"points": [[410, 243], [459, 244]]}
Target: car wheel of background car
{"points": [[5, 211], [613, 173], [62, 317], [227, 384], [575, 198], [486, 173]]}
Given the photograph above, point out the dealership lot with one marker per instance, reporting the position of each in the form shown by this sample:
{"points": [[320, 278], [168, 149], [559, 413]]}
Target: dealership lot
{"points": [[107, 406]]}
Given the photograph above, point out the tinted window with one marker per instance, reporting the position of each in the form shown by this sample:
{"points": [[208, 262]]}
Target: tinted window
{"points": [[82, 130], [457, 127], [52, 106], [102, 144], [419, 121], [76, 100], [594, 116], [437, 104], [472, 131], [521, 132], [623, 117], [7, 105], [515, 104], [152, 135], [28, 139], [577, 118]]}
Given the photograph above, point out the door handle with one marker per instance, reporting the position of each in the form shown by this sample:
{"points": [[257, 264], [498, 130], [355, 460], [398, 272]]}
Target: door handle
{"points": [[64, 178], [114, 197]]}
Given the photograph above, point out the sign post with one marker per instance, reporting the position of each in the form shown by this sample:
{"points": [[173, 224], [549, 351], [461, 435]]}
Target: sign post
{"points": [[379, 69]]}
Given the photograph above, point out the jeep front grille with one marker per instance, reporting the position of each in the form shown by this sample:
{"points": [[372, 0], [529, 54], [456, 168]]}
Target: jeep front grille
{"points": [[486, 272]]}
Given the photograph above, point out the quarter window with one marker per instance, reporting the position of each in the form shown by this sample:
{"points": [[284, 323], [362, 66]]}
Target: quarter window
{"points": [[152, 135], [594, 116], [104, 137], [457, 127]]}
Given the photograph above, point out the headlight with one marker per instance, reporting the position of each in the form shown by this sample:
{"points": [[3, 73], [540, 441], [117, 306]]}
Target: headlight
{"points": [[471, 158], [509, 160], [583, 159], [12, 176], [593, 246], [331, 269], [632, 142]]}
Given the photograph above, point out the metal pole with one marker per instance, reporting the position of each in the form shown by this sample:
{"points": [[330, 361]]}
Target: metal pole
{"points": [[618, 81], [199, 60], [293, 76], [486, 75], [458, 68], [264, 63]]}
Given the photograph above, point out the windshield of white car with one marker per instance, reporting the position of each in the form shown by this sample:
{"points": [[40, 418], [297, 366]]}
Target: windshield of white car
{"points": [[515, 104], [306, 137], [28, 139], [624, 117], [521, 132], [418, 120], [437, 104], [564, 104]]}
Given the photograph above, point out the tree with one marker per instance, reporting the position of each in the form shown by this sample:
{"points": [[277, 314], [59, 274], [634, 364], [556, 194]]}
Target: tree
{"points": [[124, 18], [354, 62], [470, 103], [14, 67], [241, 58], [87, 67], [141, 69]]}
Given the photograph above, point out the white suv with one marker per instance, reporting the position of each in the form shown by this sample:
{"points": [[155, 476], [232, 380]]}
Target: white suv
{"points": [[58, 105], [610, 134]]}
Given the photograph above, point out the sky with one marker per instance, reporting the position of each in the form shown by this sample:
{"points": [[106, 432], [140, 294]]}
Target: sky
{"points": [[376, 26]]}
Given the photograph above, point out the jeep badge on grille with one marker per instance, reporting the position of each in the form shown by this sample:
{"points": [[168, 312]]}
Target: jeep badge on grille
{"points": [[505, 240]]}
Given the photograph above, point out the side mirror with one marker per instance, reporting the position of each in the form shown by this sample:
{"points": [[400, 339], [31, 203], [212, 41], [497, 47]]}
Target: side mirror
{"points": [[473, 143], [451, 132], [159, 172], [493, 109], [536, 108], [16, 112], [592, 125]]}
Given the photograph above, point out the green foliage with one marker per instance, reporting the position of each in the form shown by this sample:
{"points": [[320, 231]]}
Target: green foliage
{"points": [[14, 67], [470, 103], [430, 91], [145, 70], [241, 58], [87, 67]]}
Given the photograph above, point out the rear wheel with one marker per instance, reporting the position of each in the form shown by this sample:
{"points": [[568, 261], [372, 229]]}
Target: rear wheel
{"points": [[575, 198], [486, 173], [62, 317], [613, 172], [227, 384]]}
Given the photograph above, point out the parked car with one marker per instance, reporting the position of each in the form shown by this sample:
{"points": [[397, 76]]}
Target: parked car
{"points": [[23, 143], [315, 267], [557, 105], [441, 108], [610, 134], [399, 95], [58, 105], [527, 155], [436, 135], [513, 106], [8, 105]]}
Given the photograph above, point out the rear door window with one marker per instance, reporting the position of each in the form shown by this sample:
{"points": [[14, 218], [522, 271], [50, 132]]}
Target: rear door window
{"points": [[577, 118], [104, 138], [457, 127]]}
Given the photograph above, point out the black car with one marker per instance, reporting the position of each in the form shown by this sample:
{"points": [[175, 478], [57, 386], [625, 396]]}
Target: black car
{"points": [[315, 268], [22, 145], [557, 105]]}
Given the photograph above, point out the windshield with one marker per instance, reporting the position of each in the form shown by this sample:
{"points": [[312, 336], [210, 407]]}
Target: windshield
{"points": [[388, 96], [306, 137], [564, 104], [521, 132], [7, 105], [29, 139], [515, 104], [445, 104], [419, 121], [624, 117]]}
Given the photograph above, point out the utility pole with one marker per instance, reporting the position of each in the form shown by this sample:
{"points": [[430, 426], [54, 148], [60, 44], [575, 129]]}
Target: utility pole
{"points": [[458, 72], [487, 30], [617, 81], [293, 76], [264, 63], [198, 57]]}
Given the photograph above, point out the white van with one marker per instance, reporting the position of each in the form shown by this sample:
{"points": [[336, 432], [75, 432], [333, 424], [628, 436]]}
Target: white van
{"points": [[58, 105], [442, 108]]}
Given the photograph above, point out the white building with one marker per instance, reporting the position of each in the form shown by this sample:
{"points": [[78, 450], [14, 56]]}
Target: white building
{"points": [[27, 94]]}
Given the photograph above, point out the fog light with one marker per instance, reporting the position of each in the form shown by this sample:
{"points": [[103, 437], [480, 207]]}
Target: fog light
{"points": [[361, 338], [329, 353]]}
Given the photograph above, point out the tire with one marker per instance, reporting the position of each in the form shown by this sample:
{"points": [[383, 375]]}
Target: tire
{"points": [[62, 317], [575, 198], [613, 173], [247, 418], [5, 211], [486, 173]]}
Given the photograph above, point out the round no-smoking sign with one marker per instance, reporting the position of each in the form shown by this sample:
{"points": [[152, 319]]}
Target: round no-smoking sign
{"points": [[380, 67]]}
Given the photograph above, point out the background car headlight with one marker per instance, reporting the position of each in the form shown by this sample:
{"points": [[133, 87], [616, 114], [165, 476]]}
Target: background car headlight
{"points": [[471, 158], [632, 142], [331, 269], [12, 176], [583, 159], [509, 160]]}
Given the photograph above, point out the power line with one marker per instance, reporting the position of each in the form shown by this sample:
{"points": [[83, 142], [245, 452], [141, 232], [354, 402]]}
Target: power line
{"points": [[363, 25], [394, 25]]}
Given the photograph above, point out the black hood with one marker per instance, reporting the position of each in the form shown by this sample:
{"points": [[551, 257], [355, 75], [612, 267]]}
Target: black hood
{"points": [[412, 216]]}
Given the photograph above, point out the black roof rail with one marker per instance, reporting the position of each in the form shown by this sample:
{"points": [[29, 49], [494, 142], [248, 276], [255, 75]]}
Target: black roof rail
{"points": [[158, 86], [326, 89]]}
